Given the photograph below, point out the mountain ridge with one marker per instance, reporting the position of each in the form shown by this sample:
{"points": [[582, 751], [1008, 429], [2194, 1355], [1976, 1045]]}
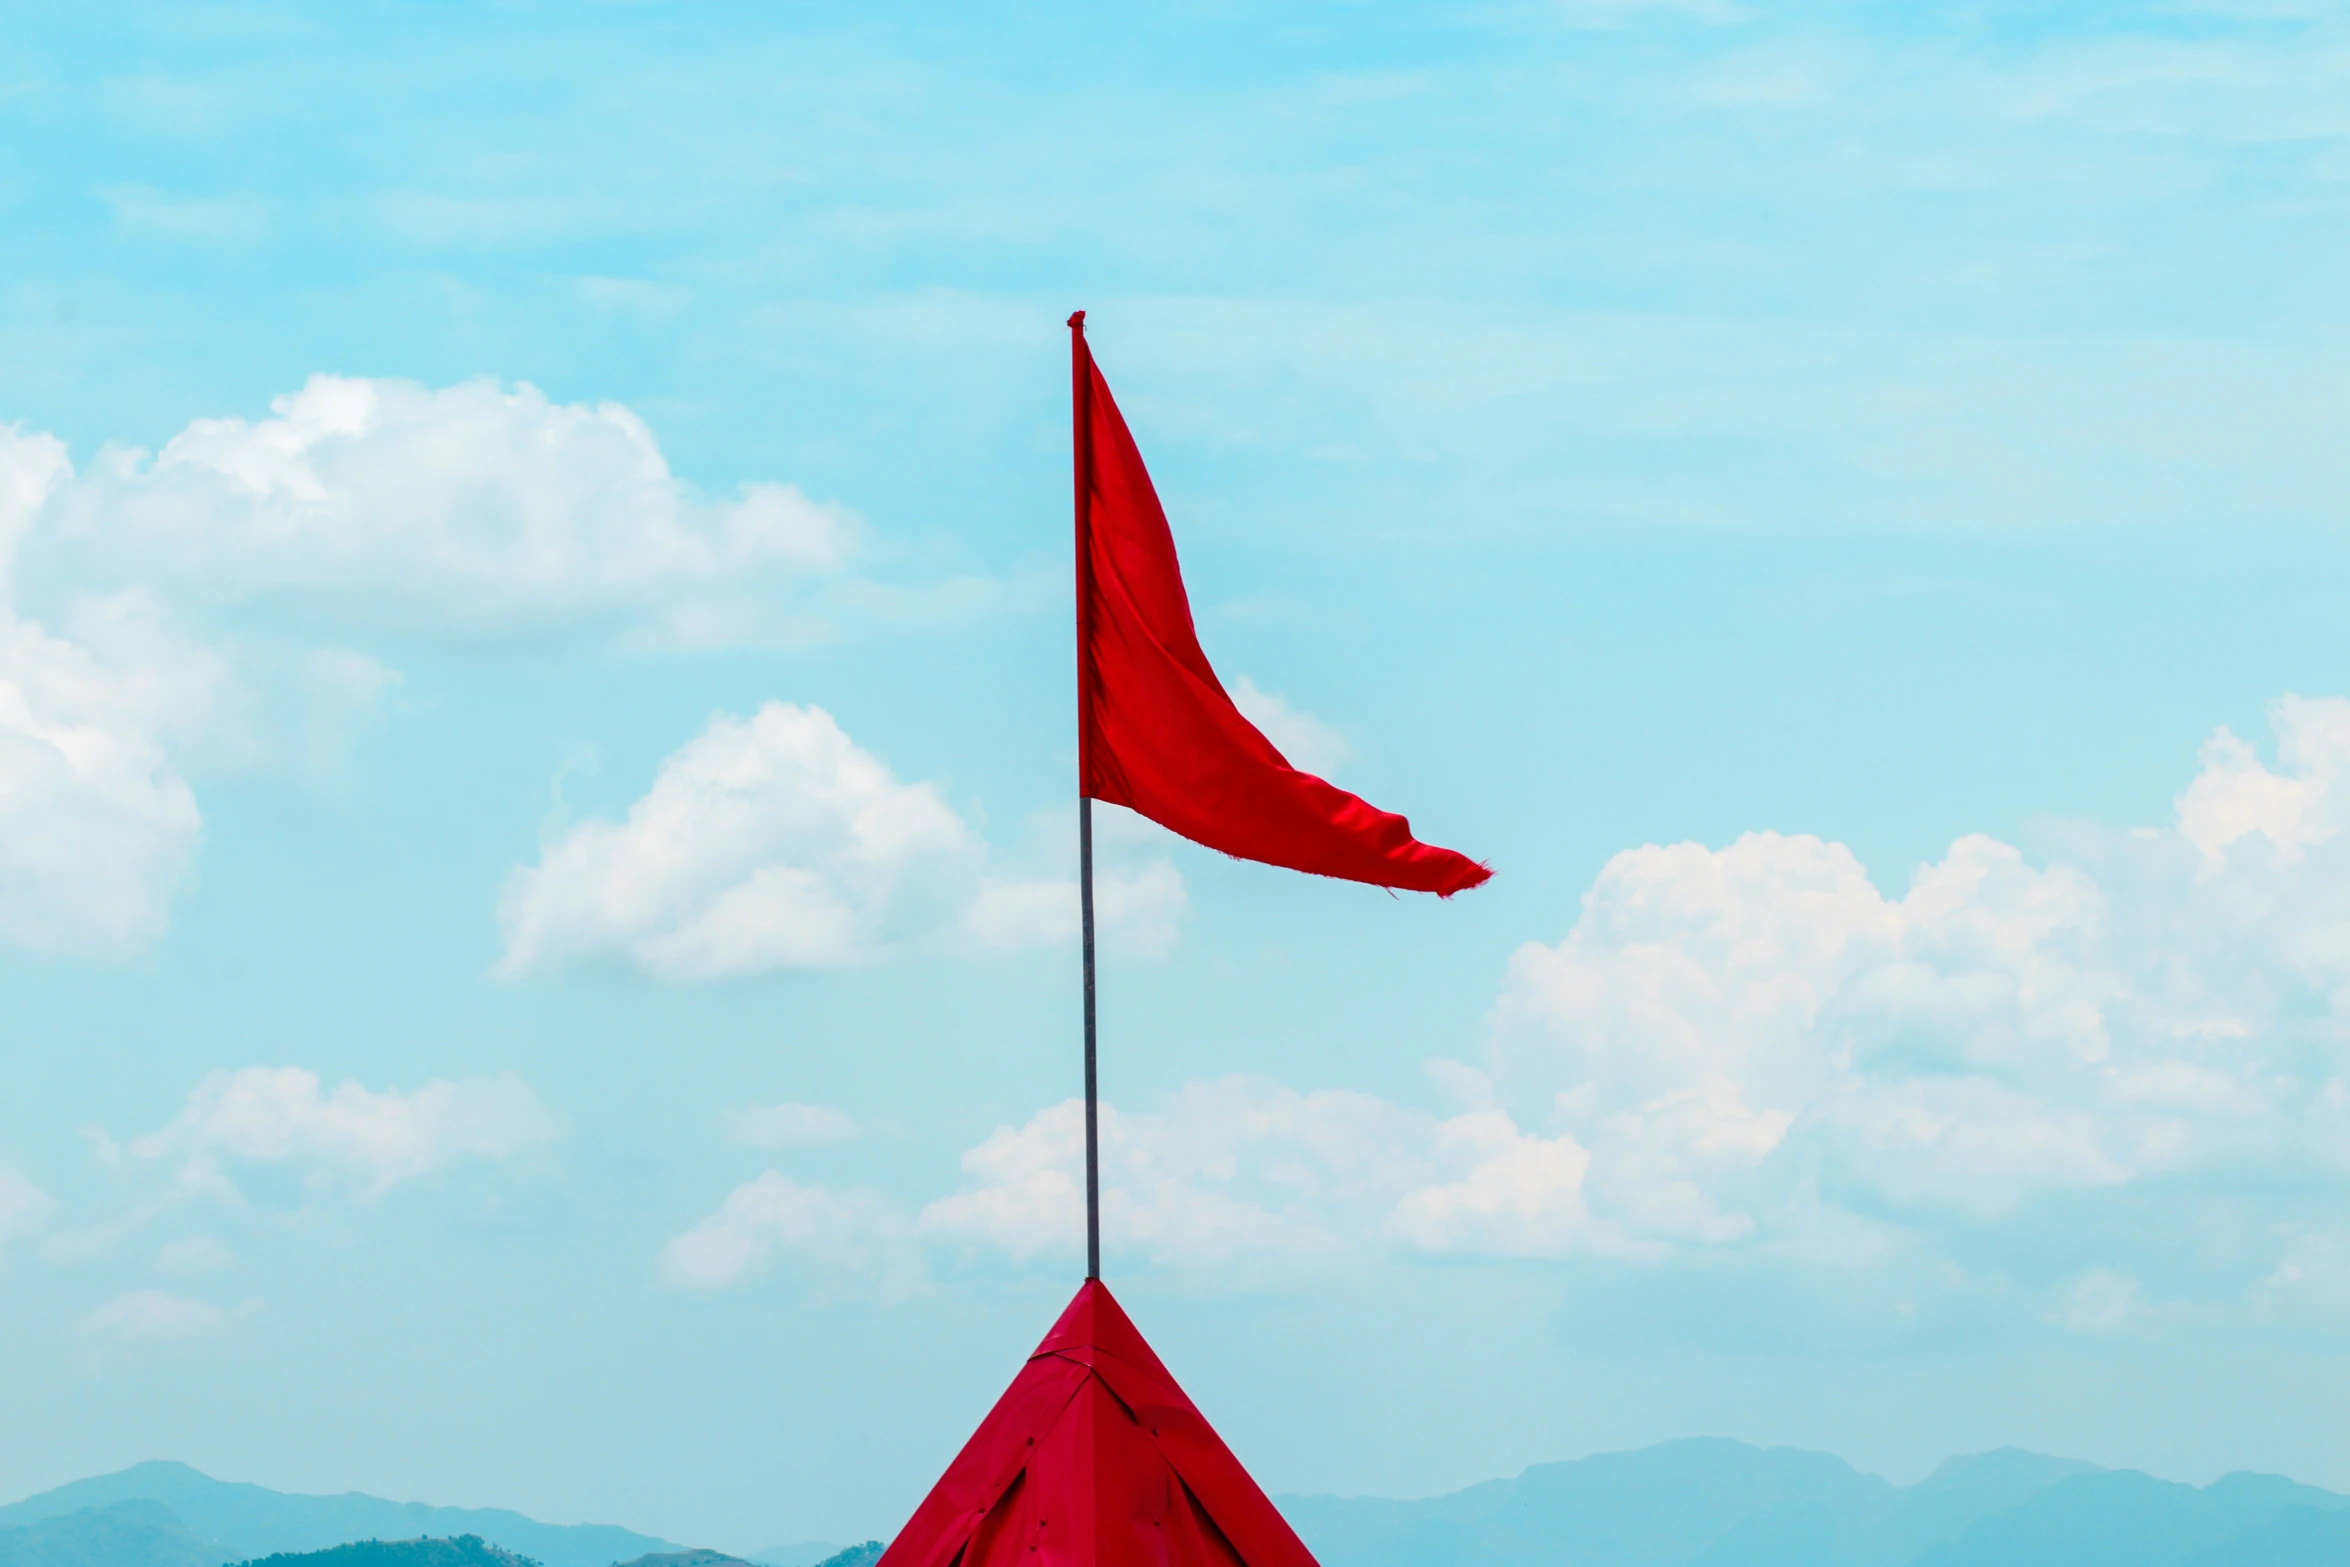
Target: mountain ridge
{"points": [[252, 1521], [1713, 1502], [1696, 1502]]}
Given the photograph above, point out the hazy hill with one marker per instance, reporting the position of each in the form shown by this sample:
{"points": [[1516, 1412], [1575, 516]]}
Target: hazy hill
{"points": [[1704, 1503], [250, 1521], [855, 1556], [2126, 1519], [806, 1553], [466, 1550], [2300, 1537], [133, 1534], [1712, 1503]]}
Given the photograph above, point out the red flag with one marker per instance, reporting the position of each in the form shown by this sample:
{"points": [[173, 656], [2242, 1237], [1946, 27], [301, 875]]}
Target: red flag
{"points": [[1156, 732], [1094, 1456]]}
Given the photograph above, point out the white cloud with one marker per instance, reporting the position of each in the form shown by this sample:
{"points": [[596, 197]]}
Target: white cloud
{"points": [[96, 828], [102, 715], [1510, 1194], [24, 1207], [104, 722], [1311, 745], [1140, 909], [774, 842], [153, 1314], [2025, 1066], [224, 704], [189, 613], [1238, 1179], [777, 842], [841, 1244], [474, 513], [788, 1125], [2235, 796], [2106, 1089], [1230, 1170], [352, 1138], [32, 466], [2099, 1301]]}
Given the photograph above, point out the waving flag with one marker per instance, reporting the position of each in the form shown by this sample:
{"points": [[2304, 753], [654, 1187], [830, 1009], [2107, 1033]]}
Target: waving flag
{"points": [[1093, 1457], [1156, 732]]}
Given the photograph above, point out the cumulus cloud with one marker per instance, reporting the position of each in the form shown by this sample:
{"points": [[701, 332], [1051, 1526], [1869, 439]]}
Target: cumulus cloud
{"points": [[1243, 1171], [2043, 1070], [2098, 1089], [1502, 1191], [352, 1139], [475, 513], [24, 1207], [97, 830], [772, 842], [1715, 1013], [32, 466], [841, 1243], [153, 1314], [2235, 796], [102, 711], [1222, 1171], [776, 842], [1142, 908], [106, 719], [202, 611], [1238, 1178]]}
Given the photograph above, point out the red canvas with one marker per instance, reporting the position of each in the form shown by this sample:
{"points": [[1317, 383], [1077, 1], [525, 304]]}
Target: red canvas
{"points": [[1155, 730], [1094, 1458]]}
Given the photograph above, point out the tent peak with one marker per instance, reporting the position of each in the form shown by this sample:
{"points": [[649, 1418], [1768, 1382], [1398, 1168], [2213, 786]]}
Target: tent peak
{"points": [[1094, 1457]]}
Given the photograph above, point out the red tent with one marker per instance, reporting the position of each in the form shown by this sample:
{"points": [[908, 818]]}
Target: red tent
{"points": [[1094, 1458]]}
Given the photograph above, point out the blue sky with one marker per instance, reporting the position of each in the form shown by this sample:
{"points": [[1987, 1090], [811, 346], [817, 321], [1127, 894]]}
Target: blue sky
{"points": [[535, 737]]}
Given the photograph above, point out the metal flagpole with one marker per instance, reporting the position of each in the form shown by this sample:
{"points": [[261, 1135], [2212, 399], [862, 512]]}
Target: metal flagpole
{"points": [[1080, 397], [1093, 1138]]}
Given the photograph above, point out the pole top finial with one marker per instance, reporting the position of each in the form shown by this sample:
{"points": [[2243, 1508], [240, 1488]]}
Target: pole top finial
{"points": [[1077, 322]]}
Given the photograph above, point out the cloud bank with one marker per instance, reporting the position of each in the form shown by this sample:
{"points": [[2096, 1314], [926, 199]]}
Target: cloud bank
{"points": [[475, 513], [352, 1140], [2105, 1089], [24, 1208], [213, 609], [153, 1315]]}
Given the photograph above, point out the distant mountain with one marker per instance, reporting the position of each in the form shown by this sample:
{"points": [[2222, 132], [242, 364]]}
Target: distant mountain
{"points": [[1713, 1503], [807, 1553], [466, 1550], [814, 1555], [1700, 1503], [855, 1556], [243, 1522], [2126, 1519], [2297, 1537], [132, 1534]]}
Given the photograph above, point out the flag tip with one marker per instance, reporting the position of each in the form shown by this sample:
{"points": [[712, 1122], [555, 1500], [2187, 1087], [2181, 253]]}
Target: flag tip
{"points": [[1077, 322], [1478, 877]]}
